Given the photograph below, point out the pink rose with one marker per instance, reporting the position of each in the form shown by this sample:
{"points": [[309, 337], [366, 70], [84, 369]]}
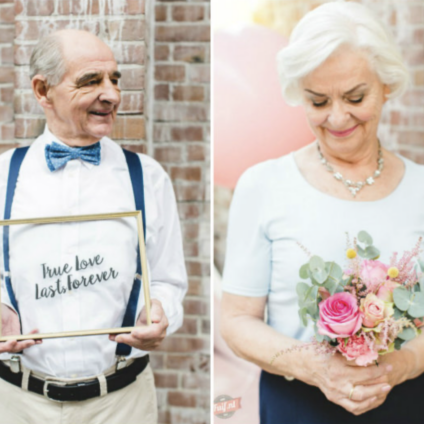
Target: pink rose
{"points": [[385, 292], [373, 309], [339, 316], [373, 273], [357, 348]]}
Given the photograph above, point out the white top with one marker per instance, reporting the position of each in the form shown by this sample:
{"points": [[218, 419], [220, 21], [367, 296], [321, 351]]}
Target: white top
{"points": [[45, 260], [274, 208]]}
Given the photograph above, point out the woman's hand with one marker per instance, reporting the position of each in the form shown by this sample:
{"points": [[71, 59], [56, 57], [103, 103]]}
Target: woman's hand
{"points": [[336, 377]]}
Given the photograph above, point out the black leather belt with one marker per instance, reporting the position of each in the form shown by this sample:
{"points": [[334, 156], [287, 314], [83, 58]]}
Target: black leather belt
{"points": [[77, 391]]}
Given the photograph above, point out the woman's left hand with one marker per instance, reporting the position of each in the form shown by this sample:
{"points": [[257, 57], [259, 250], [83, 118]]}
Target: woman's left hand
{"points": [[403, 368]]}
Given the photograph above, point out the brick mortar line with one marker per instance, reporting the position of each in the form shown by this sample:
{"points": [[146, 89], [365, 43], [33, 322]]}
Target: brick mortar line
{"points": [[40, 18]]}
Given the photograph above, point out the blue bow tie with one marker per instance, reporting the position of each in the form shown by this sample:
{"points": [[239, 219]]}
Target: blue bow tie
{"points": [[58, 155]]}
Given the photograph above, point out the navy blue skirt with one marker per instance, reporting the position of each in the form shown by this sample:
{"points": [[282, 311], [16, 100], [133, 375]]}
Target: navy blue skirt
{"points": [[294, 402]]}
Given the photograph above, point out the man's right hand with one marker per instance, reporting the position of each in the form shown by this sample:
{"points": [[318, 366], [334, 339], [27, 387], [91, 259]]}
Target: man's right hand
{"points": [[10, 326]]}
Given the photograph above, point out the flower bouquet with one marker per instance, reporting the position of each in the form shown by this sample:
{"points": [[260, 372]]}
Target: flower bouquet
{"points": [[369, 308]]}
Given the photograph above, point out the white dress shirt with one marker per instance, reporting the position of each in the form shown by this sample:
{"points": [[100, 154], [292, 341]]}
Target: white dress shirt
{"points": [[78, 276]]}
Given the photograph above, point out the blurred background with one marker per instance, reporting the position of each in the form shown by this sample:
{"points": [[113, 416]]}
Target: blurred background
{"points": [[252, 123]]}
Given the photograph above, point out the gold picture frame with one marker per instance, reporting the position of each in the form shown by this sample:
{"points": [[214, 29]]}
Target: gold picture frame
{"points": [[84, 218]]}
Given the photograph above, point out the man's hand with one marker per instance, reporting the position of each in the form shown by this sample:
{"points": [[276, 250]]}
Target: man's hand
{"points": [[11, 327], [146, 337]]}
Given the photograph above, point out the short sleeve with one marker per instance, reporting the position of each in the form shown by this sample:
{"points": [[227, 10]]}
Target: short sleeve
{"points": [[247, 269]]}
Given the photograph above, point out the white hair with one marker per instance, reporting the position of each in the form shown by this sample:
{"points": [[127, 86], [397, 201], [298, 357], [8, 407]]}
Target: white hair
{"points": [[47, 60], [321, 32]]}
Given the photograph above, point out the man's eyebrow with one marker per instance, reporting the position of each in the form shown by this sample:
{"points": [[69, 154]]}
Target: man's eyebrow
{"points": [[347, 92], [88, 77], [116, 74]]}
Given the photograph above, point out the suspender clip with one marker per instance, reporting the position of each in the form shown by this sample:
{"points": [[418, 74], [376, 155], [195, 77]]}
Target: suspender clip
{"points": [[122, 363], [15, 364]]}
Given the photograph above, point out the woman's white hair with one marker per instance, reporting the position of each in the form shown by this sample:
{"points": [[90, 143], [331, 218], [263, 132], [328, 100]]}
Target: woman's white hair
{"points": [[321, 32], [47, 60]]}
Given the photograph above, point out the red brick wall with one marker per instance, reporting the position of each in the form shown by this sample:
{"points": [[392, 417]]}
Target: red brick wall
{"points": [[6, 73], [162, 48], [180, 125]]}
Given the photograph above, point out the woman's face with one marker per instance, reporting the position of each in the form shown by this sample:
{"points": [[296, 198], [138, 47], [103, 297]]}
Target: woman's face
{"points": [[343, 99]]}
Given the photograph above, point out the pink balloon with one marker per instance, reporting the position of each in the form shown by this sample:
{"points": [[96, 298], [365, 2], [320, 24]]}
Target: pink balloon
{"points": [[252, 123]]}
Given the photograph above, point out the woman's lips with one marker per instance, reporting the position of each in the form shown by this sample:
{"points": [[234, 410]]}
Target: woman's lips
{"points": [[344, 133]]}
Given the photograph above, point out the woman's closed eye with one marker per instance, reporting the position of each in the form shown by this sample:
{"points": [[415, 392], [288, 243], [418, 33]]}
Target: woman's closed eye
{"points": [[319, 104], [356, 99]]}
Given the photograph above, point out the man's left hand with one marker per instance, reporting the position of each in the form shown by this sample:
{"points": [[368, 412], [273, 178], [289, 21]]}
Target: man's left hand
{"points": [[146, 337]]}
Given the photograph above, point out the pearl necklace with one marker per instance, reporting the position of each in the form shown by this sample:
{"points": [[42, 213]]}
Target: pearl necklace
{"points": [[353, 186]]}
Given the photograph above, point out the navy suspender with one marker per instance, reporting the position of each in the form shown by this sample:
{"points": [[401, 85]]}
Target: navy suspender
{"points": [[136, 174], [15, 165]]}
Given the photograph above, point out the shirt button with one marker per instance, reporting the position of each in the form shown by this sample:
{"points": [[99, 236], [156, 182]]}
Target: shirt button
{"points": [[72, 174]]}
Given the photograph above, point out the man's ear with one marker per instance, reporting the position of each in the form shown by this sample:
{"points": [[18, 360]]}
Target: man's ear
{"points": [[41, 91]]}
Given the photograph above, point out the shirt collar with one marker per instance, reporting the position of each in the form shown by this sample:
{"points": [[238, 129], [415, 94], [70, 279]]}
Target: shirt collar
{"points": [[49, 137]]}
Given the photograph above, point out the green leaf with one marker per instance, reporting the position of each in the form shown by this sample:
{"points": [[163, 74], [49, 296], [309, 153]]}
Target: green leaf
{"points": [[401, 297], [302, 315], [407, 334], [334, 270], [361, 252], [301, 290], [398, 313], [398, 344], [317, 268], [365, 238], [416, 309], [303, 272], [319, 337], [372, 252], [316, 263]]}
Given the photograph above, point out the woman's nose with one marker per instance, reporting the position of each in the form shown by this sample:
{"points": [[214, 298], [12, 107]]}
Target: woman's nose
{"points": [[338, 116]]}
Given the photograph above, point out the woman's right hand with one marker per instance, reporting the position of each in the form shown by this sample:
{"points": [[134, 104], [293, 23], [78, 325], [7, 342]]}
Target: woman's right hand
{"points": [[335, 377], [11, 326]]}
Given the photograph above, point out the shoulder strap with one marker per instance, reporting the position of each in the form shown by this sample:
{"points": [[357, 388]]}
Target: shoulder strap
{"points": [[14, 167], [136, 174]]}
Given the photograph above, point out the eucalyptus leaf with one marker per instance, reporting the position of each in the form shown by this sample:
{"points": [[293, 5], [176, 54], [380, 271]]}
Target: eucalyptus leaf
{"points": [[331, 286], [371, 252], [361, 252], [301, 290], [407, 334], [397, 314], [313, 310], [334, 270], [303, 272], [319, 337], [316, 263], [401, 297], [302, 315], [416, 310], [398, 344], [365, 238]]}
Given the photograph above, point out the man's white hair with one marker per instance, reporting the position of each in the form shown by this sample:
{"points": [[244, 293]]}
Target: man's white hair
{"points": [[323, 31], [47, 59]]}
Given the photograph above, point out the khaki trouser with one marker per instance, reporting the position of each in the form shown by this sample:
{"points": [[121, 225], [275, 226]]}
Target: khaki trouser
{"points": [[134, 404]]}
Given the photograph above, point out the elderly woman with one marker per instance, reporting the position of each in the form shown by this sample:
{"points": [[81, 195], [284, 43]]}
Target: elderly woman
{"points": [[341, 64]]}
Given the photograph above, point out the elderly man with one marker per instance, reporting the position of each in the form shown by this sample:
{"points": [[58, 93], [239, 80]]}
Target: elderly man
{"points": [[73, 168]]}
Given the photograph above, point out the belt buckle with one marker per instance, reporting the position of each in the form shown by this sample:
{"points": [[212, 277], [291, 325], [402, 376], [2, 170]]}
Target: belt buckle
{"points": [[48, 381]]}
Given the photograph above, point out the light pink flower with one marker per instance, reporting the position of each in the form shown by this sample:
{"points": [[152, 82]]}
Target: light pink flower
{"points": [[385, 292], [324, 293], [339, 316], [357, 348], [373, 273], [373, 309]]}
